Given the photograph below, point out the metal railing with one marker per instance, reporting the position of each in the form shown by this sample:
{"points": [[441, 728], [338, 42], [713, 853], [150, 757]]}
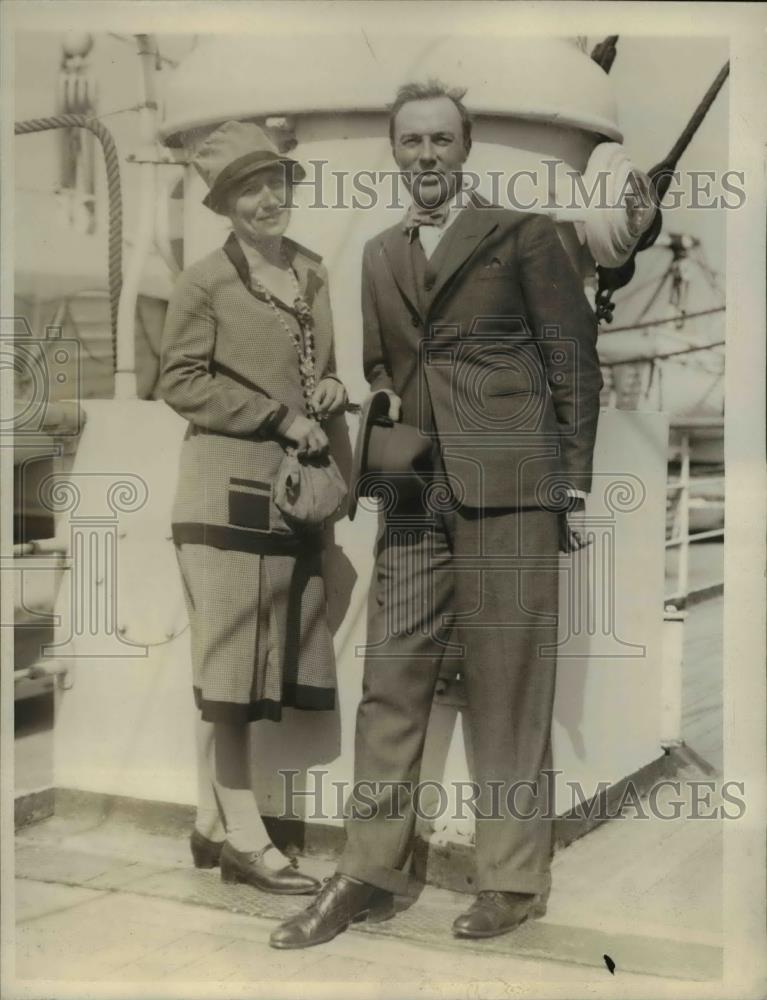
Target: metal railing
{"points": [[681, 536]]}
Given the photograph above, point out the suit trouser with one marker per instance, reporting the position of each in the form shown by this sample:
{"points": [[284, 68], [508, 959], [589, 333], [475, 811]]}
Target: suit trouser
{"points": [[498, 571]]}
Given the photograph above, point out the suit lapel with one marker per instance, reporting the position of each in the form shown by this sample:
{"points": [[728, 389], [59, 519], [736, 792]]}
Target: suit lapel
{"points": [[397, 250], [471, 227]]}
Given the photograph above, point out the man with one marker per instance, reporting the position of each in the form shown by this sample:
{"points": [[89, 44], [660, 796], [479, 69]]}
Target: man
{"points": [[477, 327]]}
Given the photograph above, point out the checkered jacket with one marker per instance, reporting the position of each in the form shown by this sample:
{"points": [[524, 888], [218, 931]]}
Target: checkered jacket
{"points": [[229, 367]]}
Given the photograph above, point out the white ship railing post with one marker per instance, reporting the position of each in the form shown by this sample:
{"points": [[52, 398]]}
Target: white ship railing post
{"points": [[671, 677], [684, 518], [125, 375]]}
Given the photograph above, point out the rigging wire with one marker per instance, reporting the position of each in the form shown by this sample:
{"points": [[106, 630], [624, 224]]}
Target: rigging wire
{"points": [[661, 357], [661, 322]]}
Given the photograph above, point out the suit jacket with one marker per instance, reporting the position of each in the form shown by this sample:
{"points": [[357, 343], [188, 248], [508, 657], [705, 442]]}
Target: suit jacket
{"points": [[495, 355], [230, 368]]}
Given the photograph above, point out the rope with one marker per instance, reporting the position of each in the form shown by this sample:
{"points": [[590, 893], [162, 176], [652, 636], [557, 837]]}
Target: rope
{"points": [[611, 279], [112, 164], [661, 172]]}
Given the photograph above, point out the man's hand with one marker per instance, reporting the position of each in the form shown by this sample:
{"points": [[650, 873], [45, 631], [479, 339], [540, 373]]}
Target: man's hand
{"points": [[329, 397], [572, 531], [395, 405], [307, 435]]}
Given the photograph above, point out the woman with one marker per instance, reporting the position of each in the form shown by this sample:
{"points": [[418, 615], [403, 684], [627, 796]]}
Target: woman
{"points": [[248, 360]]}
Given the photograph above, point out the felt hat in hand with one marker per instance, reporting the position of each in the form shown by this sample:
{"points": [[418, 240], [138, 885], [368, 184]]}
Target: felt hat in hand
{"points": [[234, 152], [387, 454]]}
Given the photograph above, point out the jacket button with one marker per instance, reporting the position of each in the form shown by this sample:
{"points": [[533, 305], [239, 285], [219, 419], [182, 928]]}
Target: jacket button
{"points": [[428, 283], [416, 321]]}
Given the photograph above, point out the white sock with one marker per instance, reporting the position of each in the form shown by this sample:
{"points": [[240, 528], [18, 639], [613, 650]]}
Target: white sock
{"points": [[245, 829], [208, 820]]}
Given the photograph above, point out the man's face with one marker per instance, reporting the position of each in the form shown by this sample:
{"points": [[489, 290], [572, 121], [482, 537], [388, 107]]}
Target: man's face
{"points": [[429, 149]]}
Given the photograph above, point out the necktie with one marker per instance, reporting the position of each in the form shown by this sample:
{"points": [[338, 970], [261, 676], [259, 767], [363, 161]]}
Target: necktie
{"points": [[417, 217]]}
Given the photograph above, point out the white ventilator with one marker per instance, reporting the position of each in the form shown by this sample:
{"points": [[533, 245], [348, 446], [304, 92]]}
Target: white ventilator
{"points": [[618, 204]]}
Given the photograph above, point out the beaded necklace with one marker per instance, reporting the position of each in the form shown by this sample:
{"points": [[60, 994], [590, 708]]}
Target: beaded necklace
{"points": [[303, 338]]}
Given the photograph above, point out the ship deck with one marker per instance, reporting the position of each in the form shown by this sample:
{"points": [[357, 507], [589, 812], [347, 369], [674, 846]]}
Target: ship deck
{"points": [[101, 898]]}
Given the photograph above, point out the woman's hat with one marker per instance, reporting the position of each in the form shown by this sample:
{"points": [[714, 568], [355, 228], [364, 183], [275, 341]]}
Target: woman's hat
{"points": [[387, 454], [234, 152]]}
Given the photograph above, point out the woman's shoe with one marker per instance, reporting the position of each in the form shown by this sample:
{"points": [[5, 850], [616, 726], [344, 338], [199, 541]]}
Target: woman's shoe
{"points": [[205, 853], [248, 867]]}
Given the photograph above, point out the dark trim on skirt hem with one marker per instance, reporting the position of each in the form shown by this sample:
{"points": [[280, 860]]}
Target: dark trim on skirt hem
{"points": [[300, 696], [222, 536]]}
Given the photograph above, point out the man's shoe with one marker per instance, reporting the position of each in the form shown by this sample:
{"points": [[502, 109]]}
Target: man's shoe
{"points": [[341, 901], [493, 913], [249, 867]]}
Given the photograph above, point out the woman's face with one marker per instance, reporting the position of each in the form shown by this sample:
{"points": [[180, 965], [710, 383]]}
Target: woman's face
{"points": [[259, 207]]}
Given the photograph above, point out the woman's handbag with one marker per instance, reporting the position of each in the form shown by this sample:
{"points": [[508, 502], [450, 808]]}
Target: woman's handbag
{"points": [[309, 491]]}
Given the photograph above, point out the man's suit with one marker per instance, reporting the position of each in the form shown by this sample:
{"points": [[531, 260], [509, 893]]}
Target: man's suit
{"points": [[491, 346]]}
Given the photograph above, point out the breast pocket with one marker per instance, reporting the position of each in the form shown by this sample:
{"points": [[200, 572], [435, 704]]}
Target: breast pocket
{"points": [[496, 273]]}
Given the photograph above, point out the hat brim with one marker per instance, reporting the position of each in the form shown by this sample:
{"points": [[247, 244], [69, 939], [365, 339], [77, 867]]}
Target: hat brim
{"points": [[374, 408], [395, 454], [241, 169]]}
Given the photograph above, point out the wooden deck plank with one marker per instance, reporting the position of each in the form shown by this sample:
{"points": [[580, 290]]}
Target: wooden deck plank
{"points": [[702, 672]]}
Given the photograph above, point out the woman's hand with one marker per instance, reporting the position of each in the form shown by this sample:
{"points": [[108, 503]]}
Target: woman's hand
{"points": [[307, 435], [329, 397]]}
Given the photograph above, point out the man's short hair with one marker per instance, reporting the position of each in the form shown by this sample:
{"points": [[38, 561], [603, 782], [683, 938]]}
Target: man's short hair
{"points": [[426, 91]]}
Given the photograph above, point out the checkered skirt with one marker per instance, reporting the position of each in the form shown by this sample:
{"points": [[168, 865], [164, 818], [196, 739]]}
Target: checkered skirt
{"points": [[260, 638]]}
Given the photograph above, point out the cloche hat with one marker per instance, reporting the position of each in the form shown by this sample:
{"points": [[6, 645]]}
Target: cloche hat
{"points": [[231, 154]]}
